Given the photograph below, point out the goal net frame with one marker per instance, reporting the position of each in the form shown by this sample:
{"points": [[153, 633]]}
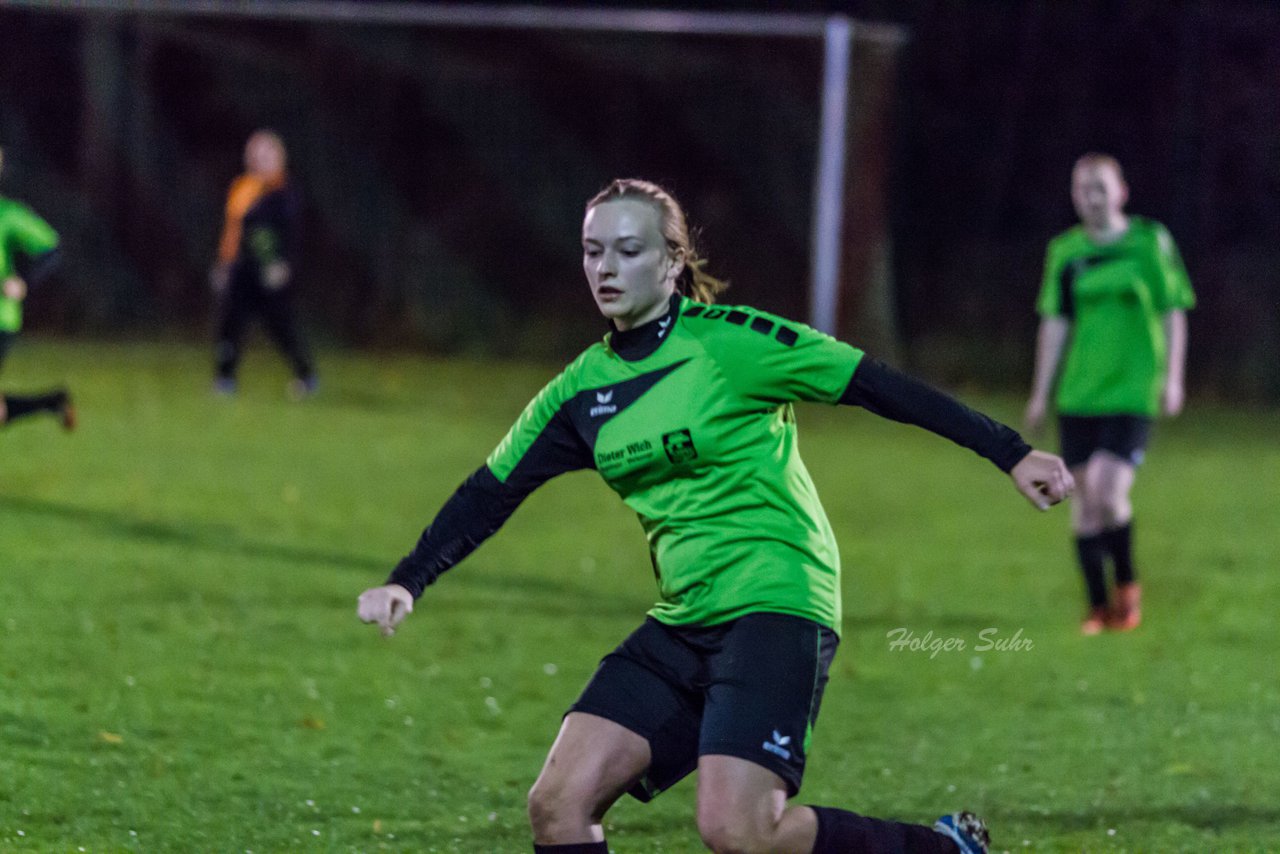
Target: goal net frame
{"points": [[835, 32]]}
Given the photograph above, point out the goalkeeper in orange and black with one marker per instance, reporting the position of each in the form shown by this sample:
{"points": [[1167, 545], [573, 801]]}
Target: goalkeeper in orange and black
{"points": [[257, 256]]}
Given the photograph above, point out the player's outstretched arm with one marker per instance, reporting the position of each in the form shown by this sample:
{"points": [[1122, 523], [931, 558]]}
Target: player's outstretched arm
{"points": [[472, 514], [1172, 396], [1051, 341], [892, 394], [1043, 478], [541, 445], [387, 606]]}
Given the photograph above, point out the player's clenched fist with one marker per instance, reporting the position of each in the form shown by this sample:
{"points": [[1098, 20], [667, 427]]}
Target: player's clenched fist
{"points": [[387, 606], [1043, 478], [15, 288]]}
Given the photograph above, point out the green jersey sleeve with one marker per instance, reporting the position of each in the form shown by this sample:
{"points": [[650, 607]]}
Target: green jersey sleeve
{"points": [[24, 237], [1171, 287], [23, 233], [543, 442], [777, 361]]}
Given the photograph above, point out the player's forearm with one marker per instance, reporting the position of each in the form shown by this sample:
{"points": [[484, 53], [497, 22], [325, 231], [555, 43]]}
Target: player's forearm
{"points": [[1051, 340], [475, 511], [1175, 333], [894, 395]]}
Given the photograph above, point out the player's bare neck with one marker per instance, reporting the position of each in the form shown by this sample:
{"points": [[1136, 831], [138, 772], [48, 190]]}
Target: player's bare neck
{"points": [[1109, 232]]}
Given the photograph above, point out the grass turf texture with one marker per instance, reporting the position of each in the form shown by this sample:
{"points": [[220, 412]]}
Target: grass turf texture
{"points": [[181, 668]]}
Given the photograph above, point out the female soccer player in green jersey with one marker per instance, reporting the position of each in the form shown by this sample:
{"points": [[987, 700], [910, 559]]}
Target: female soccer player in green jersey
{"points": [[685, 409], [1113, 302], [28, 251]]}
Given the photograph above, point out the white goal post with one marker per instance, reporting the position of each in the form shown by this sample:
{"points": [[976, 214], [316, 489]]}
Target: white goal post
{"points": [[836, 32]]}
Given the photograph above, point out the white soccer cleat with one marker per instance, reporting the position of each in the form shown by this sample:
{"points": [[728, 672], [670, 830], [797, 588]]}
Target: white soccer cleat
{"points": [[966, 830]]}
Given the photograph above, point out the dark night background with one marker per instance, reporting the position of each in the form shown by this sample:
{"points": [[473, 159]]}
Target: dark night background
{"points": [[445, 170]]}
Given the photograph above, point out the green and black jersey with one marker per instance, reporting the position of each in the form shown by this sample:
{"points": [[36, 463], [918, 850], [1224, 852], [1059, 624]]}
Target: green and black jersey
{"points": [[1115, 296], [24, 237], [689, 419]]}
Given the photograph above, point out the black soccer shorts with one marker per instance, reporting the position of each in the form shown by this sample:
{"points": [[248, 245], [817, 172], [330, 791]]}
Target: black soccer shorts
{"points": [[1125, 436], [748, 688]]}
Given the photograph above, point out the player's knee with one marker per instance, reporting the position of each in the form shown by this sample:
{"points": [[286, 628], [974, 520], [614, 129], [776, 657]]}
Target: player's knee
{"points": [[544, 806], [1086, 520], [730, 840], [555, 803], [1115, 512], [726, 833], [1094, 509]]}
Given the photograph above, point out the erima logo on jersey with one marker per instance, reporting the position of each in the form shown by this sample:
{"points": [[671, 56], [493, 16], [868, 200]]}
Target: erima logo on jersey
{"points": [[664, 326], [604, 404], [778, 747]]}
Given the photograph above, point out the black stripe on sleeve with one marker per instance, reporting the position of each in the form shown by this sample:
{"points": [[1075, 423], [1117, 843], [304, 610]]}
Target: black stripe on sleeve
{"points": [[1070, 276], [559, 448], [892, 394], [1067, 290]]}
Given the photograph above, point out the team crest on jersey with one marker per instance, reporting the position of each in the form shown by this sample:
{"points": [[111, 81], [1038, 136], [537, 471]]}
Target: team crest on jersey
{"points": [[679, 446]]}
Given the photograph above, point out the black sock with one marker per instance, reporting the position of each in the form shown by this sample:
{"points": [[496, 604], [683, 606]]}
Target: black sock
{"points": [[226, 357], [1120, 545], [840, 832], [1092, 552], [19, 407], [575, 848]]}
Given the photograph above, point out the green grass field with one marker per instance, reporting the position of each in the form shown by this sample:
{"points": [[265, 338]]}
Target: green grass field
{"points": [[181, 668]]}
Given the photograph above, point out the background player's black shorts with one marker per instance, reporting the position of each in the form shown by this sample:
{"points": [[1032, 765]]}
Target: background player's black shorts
{"points": [[1123, 435], [748, 688]]}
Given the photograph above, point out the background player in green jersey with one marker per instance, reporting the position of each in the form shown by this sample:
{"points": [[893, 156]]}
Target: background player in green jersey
{"points": [[685, 410], [1113, 301], [28, 251]]}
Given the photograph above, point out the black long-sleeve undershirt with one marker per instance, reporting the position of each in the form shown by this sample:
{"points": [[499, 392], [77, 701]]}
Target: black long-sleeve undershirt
{"points": [[475, 511], [892, 394], [34, 269], [480, 506]]}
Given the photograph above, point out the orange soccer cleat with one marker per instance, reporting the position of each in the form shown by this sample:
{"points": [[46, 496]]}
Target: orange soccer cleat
{"points": [[1127, 614], [66, 411], [1095, 621]]}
